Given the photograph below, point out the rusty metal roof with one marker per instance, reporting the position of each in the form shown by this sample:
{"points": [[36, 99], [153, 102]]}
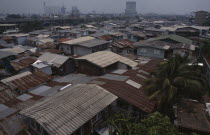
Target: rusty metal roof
{"points": [[106, 37], [123, 43], [7, 96], [193, 115], [133, 92], [22, 63], [28, 81]]}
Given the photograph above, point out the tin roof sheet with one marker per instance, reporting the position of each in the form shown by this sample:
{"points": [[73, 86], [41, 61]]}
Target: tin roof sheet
{"points": [[53, 59], [106, 58], [70, 108], [78, 40]]}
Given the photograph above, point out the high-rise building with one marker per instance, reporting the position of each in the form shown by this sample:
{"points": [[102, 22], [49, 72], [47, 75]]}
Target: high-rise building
{"points": [[53, 10], [75, 11], [130, 8], [201, 17], [63, 10]]}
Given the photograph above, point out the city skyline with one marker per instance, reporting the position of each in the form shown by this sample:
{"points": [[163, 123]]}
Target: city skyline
{"points": [[108, 6]]}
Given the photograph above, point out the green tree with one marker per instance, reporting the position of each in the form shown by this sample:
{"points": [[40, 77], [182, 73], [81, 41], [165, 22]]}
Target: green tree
{"points": [[175, 79], [31, 26], [154, 124], [205, 48]]}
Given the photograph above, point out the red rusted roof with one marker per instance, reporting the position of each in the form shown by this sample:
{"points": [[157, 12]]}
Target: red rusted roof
{"points": [[63, 40], [23, 63], [123, 43], [46, 45], [193, 115], [30, 81], [7, 96], [53, 51], [133, 95], [106, 37]]}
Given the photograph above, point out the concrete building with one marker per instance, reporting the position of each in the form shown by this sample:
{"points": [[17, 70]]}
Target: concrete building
{"points": [[75, 11], [130, 8], [201, 17]]}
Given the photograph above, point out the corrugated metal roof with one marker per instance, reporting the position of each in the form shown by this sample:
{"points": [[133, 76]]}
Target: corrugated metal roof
{"points": [[173, 37], [93, 43], [22, 63], [9, 79], [114, 77], [131, 92], [18, 35], [78, 40], [123, 43], [65, 112], [53, 59], [27, 80], [5, 54], [15, 49], [106, 58]]}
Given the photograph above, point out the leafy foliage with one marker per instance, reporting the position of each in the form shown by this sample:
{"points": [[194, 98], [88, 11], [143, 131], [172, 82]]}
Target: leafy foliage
{"points": [[205, 48], [175, 79], [154, 124], [30, 26], [13, 16]]}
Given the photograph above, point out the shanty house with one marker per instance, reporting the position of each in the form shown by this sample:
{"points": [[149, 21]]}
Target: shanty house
{"points": [[129, 87], [19, 39], [76, 110], [123, 47], [23, 64], [103, 62], [83, 46], [156, 49], [116, 36], [155, 31], [172, 39], [60, 64], [136, 36]]}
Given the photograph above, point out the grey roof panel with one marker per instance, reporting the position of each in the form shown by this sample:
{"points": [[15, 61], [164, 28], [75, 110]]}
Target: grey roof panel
{"points": [[114, 77], [144, 77], [93, 43], [119, 71], [24, 97], [40, 90], [5, 54], [6, 112], [134, 84], [75, 78], [3, 107], [51, 91], [98, 82]]}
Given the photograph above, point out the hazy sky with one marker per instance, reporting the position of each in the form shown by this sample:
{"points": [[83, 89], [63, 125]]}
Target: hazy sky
{"points": [[107, 6]]}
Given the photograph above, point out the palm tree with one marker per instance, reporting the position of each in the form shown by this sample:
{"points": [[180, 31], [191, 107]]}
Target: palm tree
{"points": [[175, 79]]}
